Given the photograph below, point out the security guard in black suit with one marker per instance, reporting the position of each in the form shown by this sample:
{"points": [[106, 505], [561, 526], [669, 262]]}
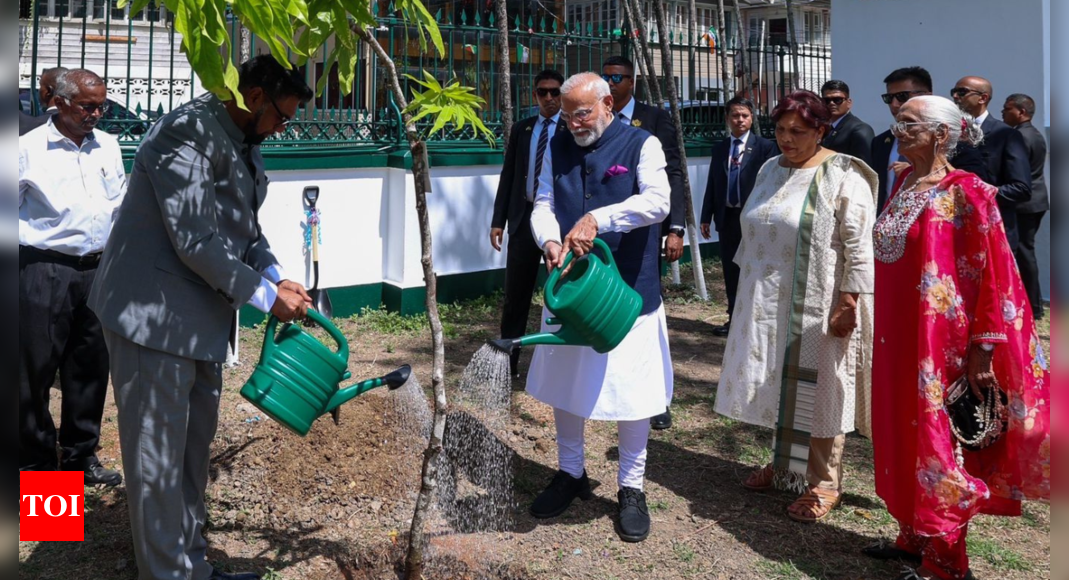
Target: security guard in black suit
{"points": [[849, 135], [525, 155], [619, 72]]}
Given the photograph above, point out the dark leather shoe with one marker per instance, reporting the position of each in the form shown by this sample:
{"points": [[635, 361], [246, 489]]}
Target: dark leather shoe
{"points": [[634, 525], [96, 474], [559, 495], [722, 331], [885, 551], [217, 575], [662, 421]]}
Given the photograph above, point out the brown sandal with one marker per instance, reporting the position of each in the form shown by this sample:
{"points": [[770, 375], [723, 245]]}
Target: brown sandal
{"points": [[760, 480], [818, 502]]}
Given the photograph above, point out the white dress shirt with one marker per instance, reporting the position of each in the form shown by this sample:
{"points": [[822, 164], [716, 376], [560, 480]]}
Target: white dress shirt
{"points": [[980, 120], [649, 207], [891, 175], [535, 135], [742, 150], [627, 114], [68, 194]]}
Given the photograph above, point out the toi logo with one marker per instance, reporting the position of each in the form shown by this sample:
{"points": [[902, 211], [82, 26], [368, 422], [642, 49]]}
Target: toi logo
{"points": [[51, 506]]}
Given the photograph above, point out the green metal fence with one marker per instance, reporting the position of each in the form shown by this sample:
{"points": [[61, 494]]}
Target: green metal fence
{"points": [[140, 57]]}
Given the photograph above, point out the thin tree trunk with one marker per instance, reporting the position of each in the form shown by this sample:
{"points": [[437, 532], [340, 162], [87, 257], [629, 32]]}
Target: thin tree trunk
{"points": [[645, 54], [504, 69], [673, 99], [636, 48], [721, 27], [692, 54], [414, 562], [744, 51], [761, 65], [792, 44]]}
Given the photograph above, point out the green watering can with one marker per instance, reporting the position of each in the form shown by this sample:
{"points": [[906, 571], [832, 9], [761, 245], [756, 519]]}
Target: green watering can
{"points": [[297, 379], [593, 305]]}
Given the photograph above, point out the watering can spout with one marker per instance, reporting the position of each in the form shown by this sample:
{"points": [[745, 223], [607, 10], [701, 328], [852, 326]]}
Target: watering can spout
{"points": [[394, 380], [506, 345]]}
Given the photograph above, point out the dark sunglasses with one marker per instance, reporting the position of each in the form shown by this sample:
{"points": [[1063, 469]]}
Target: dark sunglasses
{"points": [[834, 100], [901, 96], [960, 92], [615, 79], [90, 109], [548, 92]]}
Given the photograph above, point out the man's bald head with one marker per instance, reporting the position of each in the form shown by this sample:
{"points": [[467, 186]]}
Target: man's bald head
{"points": [[49, 79], [973, 95]]}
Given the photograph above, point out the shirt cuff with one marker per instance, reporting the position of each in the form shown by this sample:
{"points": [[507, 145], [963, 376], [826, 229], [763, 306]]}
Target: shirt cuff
{"points": [[274, 273], [603, 216], [264, 297]]}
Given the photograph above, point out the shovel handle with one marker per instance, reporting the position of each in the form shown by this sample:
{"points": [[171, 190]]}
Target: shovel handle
{"points": [[315, 243]]}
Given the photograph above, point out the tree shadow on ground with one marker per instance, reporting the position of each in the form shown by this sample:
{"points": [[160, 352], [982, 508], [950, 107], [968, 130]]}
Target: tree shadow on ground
{"points": [[759, 520]]}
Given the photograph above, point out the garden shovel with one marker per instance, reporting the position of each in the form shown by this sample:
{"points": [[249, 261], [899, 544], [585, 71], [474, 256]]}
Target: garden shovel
{"points": [[320, 298]]}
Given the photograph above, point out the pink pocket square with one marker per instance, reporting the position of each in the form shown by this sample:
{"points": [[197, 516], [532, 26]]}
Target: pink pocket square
{"points": [[616, 170]]}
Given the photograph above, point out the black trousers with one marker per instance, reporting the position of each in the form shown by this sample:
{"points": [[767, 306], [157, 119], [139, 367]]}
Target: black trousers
{"points": [[1028, 225], [58, 333], [730, 232], [521, 274]]}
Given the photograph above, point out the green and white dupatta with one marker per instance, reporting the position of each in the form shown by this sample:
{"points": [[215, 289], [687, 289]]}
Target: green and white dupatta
{"points": [[814, 292]]}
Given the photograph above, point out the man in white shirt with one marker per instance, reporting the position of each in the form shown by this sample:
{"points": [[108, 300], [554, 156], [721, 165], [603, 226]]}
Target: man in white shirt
{"points": [[71, 182], [605, 180], [525, 156]]}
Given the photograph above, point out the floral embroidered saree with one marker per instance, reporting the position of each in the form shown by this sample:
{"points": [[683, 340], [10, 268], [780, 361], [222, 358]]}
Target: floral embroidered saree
{"points": [[945, 280]]}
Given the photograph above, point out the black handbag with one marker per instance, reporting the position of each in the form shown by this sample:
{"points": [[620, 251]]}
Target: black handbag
{"points": [[976, 424]]}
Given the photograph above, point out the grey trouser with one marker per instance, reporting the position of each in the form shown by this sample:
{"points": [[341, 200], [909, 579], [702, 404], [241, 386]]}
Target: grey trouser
{"points": [[168, 414]]}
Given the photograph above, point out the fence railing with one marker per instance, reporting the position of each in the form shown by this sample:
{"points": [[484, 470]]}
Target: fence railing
{"points": [[147, 75]]}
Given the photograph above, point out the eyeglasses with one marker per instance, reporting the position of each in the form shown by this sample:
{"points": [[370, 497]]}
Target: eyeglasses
{"points": [[548, 92], [962, 92], [91, 109], [901, 127], [582, 115], [901, 96], [615, 79], [284, 119], [834, 100]]}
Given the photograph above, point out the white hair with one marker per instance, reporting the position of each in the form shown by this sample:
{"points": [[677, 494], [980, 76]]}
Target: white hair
{"points": [[586, 81], [960, 125]]}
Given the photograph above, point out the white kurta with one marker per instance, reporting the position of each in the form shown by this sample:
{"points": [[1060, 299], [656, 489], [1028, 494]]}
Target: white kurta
{"points": [[634, 380], [631, 382], [752, 376]]}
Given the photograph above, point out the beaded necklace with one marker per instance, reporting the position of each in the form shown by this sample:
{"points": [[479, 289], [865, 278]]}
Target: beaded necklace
{"points": [[892, 229]]}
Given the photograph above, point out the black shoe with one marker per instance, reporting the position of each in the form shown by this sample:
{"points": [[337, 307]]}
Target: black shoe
{"points": [[559, 495], [662, 421], [634, 525], [885, 551], [96, 474], [217, 575], [722, 331]]}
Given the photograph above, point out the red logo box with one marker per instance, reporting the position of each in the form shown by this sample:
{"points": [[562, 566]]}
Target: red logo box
{"points": [[51, 506]]}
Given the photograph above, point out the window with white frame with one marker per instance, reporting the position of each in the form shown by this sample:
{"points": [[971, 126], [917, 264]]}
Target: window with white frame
{"points": [[100, 10], [817, 28]]}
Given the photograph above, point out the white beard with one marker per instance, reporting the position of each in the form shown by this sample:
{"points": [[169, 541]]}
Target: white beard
{"points": [[587, 137]]}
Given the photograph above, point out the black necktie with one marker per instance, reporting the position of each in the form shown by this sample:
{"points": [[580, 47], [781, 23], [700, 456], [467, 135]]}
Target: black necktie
{"points": [[540, 152], [734, 195]]}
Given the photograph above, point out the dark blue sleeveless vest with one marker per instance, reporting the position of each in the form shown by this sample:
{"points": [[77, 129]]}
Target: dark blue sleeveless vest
{"points": [[581, 184]]}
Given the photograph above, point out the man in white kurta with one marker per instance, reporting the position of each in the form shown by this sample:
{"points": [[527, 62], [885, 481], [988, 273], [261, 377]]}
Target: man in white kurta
{"points": [[633, 382]]}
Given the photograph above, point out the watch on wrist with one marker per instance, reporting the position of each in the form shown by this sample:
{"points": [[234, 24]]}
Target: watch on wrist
{"points": [[677, 231]]}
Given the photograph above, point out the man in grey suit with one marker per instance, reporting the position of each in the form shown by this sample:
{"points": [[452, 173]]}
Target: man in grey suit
{"points": [[184, 255], [1017, 112]]}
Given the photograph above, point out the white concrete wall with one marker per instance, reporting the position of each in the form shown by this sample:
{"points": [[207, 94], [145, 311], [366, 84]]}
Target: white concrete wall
{"points": [[370, 229], [1007, 42]]}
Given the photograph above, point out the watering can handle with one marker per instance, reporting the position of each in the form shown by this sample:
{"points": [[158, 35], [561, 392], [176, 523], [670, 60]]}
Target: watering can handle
{"points": [[327, 325], [554, 276]]}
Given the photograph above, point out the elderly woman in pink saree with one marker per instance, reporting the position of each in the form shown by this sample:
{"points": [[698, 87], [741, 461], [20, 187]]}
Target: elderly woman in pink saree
{"points": [[950, 303]]}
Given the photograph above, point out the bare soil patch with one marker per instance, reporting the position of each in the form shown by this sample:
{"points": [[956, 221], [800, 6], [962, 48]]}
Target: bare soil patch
{"points": [[336, 504]]}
